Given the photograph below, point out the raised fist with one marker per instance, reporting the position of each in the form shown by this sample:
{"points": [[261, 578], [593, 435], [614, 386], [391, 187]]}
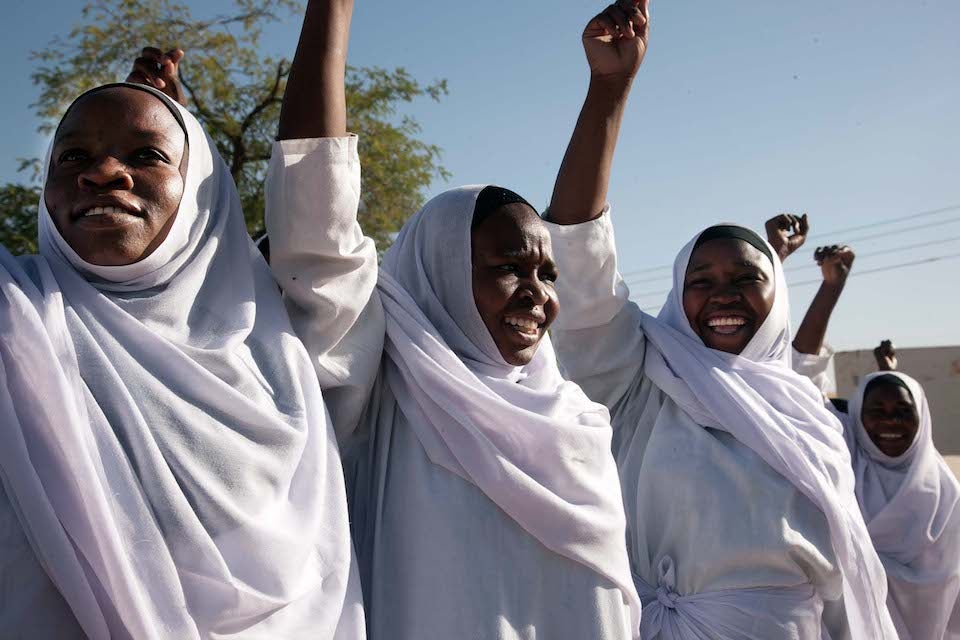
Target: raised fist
{"points": [[160, 71], [787, 233], [615, 40], [835, 262], [886, 356]]}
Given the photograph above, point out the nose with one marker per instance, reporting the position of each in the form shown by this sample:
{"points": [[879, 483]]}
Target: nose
{"points": [[106, 174], [536, 291], [725, 295]]}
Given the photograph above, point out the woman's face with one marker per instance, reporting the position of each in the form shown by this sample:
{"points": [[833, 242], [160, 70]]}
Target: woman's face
{"points": [[890, 418], [513, 280], [116, 176], [728, 292]]}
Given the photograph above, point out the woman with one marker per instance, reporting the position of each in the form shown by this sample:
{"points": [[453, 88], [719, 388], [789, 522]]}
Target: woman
{"points": [[484, 497], [911, 502], [742, 520], [168, 467]]}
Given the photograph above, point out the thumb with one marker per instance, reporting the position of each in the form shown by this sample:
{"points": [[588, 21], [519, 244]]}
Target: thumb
{"points": [[175, 55]]}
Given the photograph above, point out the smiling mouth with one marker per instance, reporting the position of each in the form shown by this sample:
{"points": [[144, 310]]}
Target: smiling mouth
{"points": [[727, 325], [108, 216], [526, 329]]}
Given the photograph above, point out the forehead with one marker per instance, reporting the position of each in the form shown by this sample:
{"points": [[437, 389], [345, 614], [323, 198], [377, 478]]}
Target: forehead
{"points": [[885, 391], [727, 253], [117, 112], [513, 227]]}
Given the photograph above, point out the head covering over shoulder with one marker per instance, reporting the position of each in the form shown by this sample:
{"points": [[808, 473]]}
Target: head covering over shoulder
{"points": [[912, 507], [531, 441], [757, 398], [165, 438]]}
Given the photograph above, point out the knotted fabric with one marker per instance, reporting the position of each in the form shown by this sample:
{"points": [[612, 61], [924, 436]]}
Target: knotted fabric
{"points": [[759, 400]]}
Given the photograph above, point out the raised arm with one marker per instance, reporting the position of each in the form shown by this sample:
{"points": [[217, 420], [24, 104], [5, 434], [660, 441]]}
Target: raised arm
{"points": [[597, 335], [835, 263], [320, 258], [615, 42], [315, 103]]}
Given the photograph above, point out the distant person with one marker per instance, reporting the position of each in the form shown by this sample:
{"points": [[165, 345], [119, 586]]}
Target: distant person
{"points": [[484, 496], [168, 466], [909, 497], [911, 501], [741, 513]]}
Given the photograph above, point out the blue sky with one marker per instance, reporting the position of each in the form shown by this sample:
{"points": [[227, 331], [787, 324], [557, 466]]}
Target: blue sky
{"points": [[847, 110]]}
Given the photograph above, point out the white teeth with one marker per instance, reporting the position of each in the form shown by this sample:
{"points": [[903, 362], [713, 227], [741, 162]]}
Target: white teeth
{"points": [[525, 325], [726, 322], [890, 436], [99, 211]]}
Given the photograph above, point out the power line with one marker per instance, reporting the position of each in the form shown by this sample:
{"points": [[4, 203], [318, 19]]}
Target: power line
{"points": [[883, 234], [912, 216], [889, 267], [918, 245]]}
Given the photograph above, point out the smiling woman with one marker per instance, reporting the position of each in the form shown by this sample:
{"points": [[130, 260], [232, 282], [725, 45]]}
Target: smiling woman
{"points": [[513, 274], [728, 289], [168, 467], [116, 174], [911, 502]]}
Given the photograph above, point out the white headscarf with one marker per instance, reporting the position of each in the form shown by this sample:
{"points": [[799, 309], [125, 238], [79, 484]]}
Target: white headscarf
{"points": [[912, 507], [780, 415], [531, 441], [165, 440]]}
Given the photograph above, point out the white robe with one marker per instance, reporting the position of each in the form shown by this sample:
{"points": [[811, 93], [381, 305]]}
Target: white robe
{"points": [[912, 507], [721, 544], [167, 452], [442, 550]]}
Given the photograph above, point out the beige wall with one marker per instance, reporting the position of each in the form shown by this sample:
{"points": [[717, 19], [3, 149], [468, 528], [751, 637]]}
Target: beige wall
{"points": [[936, 368]]}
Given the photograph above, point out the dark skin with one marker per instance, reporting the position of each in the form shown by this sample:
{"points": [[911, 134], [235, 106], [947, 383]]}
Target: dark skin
{"points": [[513, 280], [116, 176], [890, 418], [728, 292]]}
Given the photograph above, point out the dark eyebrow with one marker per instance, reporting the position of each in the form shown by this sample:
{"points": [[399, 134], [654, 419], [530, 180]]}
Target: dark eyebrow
{"points": [[742, 263], [147, 136]]}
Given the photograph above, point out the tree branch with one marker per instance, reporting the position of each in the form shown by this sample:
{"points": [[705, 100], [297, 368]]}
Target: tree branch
{"points": [[273, 97], [197, 102]]}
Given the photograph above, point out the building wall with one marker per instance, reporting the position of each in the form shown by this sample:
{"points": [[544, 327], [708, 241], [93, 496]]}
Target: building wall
{"points": [[936, 368]]}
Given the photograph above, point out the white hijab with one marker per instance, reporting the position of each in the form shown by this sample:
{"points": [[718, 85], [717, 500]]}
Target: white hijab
{"points": [[531, 441], [912, 507], [166, 444], [759, 400]]}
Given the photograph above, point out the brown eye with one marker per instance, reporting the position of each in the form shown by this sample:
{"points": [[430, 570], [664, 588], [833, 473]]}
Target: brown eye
{"points": [[72, 155], [149, 154]]}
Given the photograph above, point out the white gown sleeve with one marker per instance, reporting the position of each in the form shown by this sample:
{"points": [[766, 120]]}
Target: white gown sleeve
{"points": [[818, 367], [597, 334], [326, 268]]}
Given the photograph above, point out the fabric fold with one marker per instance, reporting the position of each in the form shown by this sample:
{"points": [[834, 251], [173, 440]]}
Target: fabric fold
{"points": [[531, 441], [171, 458]]}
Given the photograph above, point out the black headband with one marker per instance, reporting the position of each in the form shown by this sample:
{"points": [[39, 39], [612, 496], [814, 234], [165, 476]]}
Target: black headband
{"points": [[492, 198], [887, 378], [730, 231], [131, 85]]}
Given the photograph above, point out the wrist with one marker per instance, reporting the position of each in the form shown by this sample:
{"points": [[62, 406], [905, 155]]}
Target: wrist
{"points": [[833, 286], [611, 84]]}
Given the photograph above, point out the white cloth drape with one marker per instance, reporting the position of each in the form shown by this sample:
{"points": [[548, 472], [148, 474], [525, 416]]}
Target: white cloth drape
{"points": [[764, 404], [529, 440], [166, 442], [730, 465], [912, 507]]}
